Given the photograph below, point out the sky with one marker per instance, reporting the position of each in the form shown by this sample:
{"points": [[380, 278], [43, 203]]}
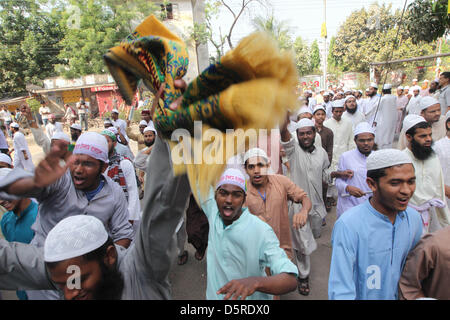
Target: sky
{"points": [[304, 17]]}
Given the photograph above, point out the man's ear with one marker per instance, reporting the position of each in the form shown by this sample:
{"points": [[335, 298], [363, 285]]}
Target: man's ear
{"points": [[111, 256], [409, 137], [372, 184]]}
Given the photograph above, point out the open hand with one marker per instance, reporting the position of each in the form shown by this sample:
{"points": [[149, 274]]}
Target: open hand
{"points": [[354, 191], [50, 170], [239, 289]]}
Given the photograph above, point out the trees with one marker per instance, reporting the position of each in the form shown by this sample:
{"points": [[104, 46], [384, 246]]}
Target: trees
{"points": [[369, 35], [201, 33], [28, 45], [94, 26], [314, 58], [427, 20]]}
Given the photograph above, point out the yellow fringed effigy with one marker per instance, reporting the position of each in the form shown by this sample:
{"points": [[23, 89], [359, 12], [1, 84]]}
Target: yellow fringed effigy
{"points": [[251, 87]]}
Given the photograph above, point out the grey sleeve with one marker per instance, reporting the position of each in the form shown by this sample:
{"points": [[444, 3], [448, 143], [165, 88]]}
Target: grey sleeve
{"points": [[22, 267], [119, 224], [41, 139], [164, 203], [39, 194]]}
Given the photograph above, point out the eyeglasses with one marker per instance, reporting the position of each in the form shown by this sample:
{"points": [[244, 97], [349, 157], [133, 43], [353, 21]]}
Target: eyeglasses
{"points": [[234, 194]]}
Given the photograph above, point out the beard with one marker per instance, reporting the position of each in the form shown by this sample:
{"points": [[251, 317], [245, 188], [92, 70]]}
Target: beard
{"points": [[351, 111], [149, 144], [111, 285], [420, 152]]}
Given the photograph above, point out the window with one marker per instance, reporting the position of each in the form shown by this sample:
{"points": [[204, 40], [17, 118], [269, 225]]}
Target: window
{"points": [[169, 11]]}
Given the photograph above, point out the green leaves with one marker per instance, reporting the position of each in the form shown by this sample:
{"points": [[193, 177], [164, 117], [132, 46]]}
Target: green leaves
{"points": [[369, 35], [427, 20], [29, 45]]}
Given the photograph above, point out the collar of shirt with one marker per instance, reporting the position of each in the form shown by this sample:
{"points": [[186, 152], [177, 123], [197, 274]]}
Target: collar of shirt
{"points": [[236, 223], [24, 212], [376, 213]]}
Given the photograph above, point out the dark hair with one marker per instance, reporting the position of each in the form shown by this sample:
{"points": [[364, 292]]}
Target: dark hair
{"points": [[376, 174], [446, 74], [386, 91], [421, 125]]}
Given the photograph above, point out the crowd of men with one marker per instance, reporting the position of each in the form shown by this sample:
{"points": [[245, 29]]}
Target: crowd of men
{"points": [[123, 218]]}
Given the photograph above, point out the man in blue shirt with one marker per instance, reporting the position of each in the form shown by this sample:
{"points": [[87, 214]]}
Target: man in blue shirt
{"points": [[241, 246], [17, 220], [372, 240]]}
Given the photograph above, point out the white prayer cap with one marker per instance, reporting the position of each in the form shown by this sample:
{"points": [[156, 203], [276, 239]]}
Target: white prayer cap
{"points": [[360, 91], [92, 144], [305, 122], [59, 135], [348, 97], [14, 125], [4, 171], [387, 86], [374, 85], [143, 123], [115, 111], [319, 107], [150, 127], [426, 80], [400, 87], [76, 126], [414, 80], [347, 90], [363, 127], [256, 152], [411, 120], [406, 88], [415, 88], [308, 91], [107, 121], [233, 176], [447, 115], [303, 110], [113, 130], [426, 102], [367, 89], [326, 94], [386, 158], [5, 158], [338, 103], [73, 237]]}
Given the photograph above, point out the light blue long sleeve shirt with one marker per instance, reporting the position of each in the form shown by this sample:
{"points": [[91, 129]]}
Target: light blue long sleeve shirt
{"points": [[240, 250], [369, 253]]}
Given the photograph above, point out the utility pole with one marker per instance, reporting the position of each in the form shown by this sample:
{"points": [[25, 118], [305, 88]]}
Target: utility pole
{"points": [[324, 35]]}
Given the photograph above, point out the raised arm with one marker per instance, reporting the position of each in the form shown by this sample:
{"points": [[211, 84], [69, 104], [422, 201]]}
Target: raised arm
{"points": [[164, 203], [47, 172]]}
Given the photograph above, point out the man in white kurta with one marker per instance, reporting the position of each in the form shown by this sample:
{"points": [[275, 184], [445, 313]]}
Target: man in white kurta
{"points": [[342, 139], [371, 103], [351, 111], [429, 196], [428, 106], [342, 132], [413, 105], [386, 119], [442, 149], [22, 156], [309, 166], [354, 191], [402, 101]]}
